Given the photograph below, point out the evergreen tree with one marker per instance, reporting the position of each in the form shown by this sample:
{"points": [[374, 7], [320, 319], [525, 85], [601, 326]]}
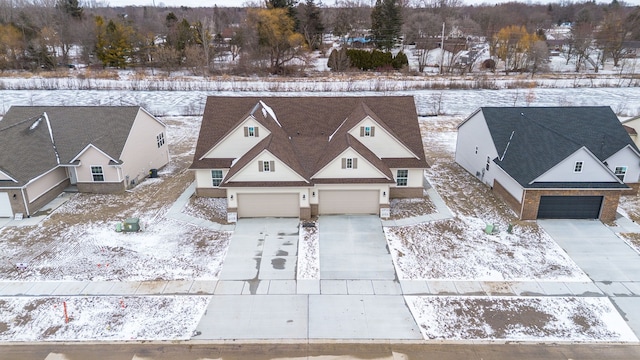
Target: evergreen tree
{"points": [[386, 23], [70, 7], [310, 24]]}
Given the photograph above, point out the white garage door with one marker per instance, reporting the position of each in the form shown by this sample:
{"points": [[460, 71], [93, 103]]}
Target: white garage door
{"points": [[348, 202], [268, 205], [5, 205]]}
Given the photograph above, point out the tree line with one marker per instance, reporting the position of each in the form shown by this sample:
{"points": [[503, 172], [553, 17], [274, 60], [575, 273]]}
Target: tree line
{"points": [[278, 36]]}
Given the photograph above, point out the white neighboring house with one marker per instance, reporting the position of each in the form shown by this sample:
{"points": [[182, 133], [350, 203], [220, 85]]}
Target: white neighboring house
{"points": [[632, 126], [551, 162], [99, 149], [304, 156]]}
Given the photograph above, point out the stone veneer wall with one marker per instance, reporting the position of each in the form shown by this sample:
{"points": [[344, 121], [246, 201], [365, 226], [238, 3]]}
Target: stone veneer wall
{"points": [[511, 201], [46, 197], [211, 192], [633, 190], [405, 192], [101, 187]]}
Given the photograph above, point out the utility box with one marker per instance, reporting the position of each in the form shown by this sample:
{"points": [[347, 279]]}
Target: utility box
{"points": [[129, 225]]}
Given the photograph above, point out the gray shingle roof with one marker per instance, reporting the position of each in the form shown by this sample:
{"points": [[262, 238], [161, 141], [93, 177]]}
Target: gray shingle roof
{"points": [[302, 140], [26, 150], [531, 140]]}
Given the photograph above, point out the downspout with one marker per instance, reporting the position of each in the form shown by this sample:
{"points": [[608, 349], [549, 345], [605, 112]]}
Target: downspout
{"points": [[524, 196]]}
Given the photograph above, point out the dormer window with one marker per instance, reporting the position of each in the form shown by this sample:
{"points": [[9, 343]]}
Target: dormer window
{"points": [[367, 131], [251, 131], [577, 168]]}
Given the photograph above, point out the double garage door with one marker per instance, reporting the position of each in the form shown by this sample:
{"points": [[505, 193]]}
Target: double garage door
{"points": [[5, 205], [268, 205], [348, 202], [569, 207], [288, 205]]}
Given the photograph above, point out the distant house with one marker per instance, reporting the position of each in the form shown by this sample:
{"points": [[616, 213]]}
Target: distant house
{"points": [[551, 162], [101, 149], [633, 126], [304, 156]]}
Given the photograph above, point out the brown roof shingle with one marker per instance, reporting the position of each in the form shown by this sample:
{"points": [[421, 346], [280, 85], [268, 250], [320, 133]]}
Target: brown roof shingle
{"points": [[302, 128]]}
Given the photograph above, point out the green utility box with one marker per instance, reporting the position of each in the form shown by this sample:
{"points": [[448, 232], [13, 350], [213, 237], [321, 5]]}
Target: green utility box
{"points": [[129, 225]]}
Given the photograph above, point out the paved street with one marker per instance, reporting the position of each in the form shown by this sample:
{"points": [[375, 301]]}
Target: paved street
{"points": [[318, 351]]}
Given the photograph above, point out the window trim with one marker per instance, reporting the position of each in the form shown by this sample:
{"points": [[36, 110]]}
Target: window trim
{"points": [[367, 131], [578, 166], [623, 172], [214, 179], [94, 174], [266, 166], [354, 163], [251, 131], [405, 178], [160, 141]]}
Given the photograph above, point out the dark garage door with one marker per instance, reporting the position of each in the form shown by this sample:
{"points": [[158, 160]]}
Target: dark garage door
{"points": [[569, 207]]}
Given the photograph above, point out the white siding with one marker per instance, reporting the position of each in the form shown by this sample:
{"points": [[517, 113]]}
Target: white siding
{"points": [[92, 157], [383, 144], [236, 144], [4, 176], [281, 172], [508, 183], [141, 152], [203, 177], [334, 169], [45, 183], [473, 134], [415, 178], [592, 170], [626, 157]]}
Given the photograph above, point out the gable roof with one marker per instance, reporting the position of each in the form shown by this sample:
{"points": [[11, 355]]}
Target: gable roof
{"points": [[26, 148], [306, 132], [531, 140]]}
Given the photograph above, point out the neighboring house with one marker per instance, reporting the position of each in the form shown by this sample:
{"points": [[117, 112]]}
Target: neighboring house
{"points": [[551, 162], [633, 126], [304, 156], [101, 149]]}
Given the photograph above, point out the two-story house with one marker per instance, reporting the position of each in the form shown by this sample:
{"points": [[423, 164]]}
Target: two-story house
{"points": [[304, 156]]}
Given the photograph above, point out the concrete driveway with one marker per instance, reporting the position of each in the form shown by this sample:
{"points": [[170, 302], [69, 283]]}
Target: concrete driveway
{"points": [[612, 264], [596, 249], [354, 247], [262, 249], [356, 297]]}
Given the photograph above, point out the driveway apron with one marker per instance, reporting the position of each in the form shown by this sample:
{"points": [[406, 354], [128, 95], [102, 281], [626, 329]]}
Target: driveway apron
{"points": [[262, 249], [596, 249], [353, 247], [612, 264]]}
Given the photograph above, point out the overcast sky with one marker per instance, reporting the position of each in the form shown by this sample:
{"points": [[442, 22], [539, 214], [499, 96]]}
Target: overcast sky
{"points": [[229, 3]]}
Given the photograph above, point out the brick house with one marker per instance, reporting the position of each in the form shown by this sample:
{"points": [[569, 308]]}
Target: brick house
{"points": [[551, 162], [304, 156]]}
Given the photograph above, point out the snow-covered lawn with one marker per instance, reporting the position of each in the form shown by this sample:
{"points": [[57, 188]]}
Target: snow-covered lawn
{"points": [[458, 249], [519, 319], [100, 318], [308, 252]]}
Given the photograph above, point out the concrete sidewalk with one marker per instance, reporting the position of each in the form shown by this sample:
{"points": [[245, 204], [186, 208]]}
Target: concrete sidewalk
{"points": [[320, 287], [175, 212]]}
